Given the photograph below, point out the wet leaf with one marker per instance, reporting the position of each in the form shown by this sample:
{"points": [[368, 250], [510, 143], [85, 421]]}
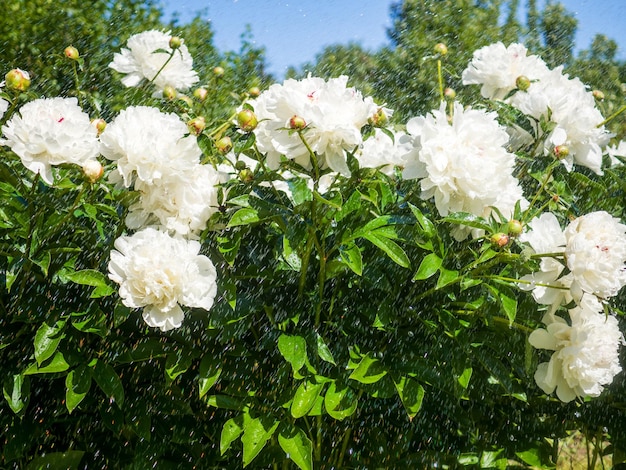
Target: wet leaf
{"points": [[231, 430], [391, 248], [293, 349], [368, 371], [56, 363], [47, 340], [69, 460], [16, 391], [305, 397], [244, 216], [209, 372], [77, 384], [411, 394], [430, 265], [323, 350], [296, 445], [351, 256], [109, 382], [256, 433], [339, 401]]}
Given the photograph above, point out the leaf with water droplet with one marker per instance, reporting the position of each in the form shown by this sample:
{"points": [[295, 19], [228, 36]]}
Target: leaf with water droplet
{"points": [[296, 445], [256, 433], [47, 339], [77, 384]]}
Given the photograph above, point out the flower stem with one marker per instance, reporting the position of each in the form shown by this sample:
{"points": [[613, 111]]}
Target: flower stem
{"points": [[612, 116], [164, 65], [440, 79]]}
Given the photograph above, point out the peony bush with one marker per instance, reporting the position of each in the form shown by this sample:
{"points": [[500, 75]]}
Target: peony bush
{"points": [[301, 281]]}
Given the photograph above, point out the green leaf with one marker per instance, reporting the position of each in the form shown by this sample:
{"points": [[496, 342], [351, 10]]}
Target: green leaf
{"points": [[430, 265], [16, 391], [226, 402], [339, 401], [446, 277], [47, 339], [94, 322], [305, 397], [532, 457], [177, 363], [465, 377], [77, 384], [470, 220], [256, 433], [230, 432], [244, 216], [351, 256], [69, 460], [368, 371], [53, 365], [426, 227], [209, 373], [323, 351], [509, 304], [293, 349], [391, 248], [87, 277], [373, 225], [109, 382], [299, 190], [296, 445], [411, 394]]}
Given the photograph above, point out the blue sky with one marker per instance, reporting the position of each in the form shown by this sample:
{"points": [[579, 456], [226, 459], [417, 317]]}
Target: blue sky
{"points": [[294, 31]]}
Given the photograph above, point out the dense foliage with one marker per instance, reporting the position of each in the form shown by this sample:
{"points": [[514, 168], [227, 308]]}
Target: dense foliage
{"points": [[332, 303]]}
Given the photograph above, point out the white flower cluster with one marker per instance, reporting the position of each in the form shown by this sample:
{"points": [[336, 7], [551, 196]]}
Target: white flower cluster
{"points": [[547, 94], [463, 164], [159, 268], [382, 152], [334, 115], [4, 104], [177, 195], [48, 132], [148, 58], [592, 251], [586, 352]]}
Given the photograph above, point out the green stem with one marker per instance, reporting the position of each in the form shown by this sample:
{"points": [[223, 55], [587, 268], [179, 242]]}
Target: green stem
{"points": [[440, 79], [163, 66], [77, 83], [318, 438], [305, 262], [543, 185], [612, 116]]}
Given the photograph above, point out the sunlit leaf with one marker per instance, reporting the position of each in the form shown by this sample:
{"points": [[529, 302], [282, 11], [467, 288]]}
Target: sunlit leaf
{"points": [[256, 433], [368, 371], [209, 372], [339, 401], [293, 349], [391, 248], [231, 430], [244, 216], [351, 256], [16, 391], [47, 339], [296, 445], [109, 382], [430, 265], [305, 397], [411, 394], [323, 350], [56, 363], [77, 384]]}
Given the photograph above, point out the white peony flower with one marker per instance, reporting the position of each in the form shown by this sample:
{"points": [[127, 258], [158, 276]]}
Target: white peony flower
{"points": [[497, 69], [383, 152], [148, 144], [596, 253], [141, 61], [334, 115], [4, 104], [51, 131], [548, 286], [586, 353], [179, 203], [159, 274], [463, 164], [617, 153]]}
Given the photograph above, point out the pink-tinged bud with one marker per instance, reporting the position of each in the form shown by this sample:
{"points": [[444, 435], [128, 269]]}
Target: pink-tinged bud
{"points": [[218, 71], [246, 175], [240, 165], [449, 94], [254, 91], [297, 123], [17, 79], [185, 99], [598, 95], [175, 42], [93, 170], [224, 145], [169, 92], [196, 125], [561, 151], [99, 124], [247, 120], [500, 239], [200, 94], [441, 49], [71, 53], [522, 83], [379, 119], [514, 227]]}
